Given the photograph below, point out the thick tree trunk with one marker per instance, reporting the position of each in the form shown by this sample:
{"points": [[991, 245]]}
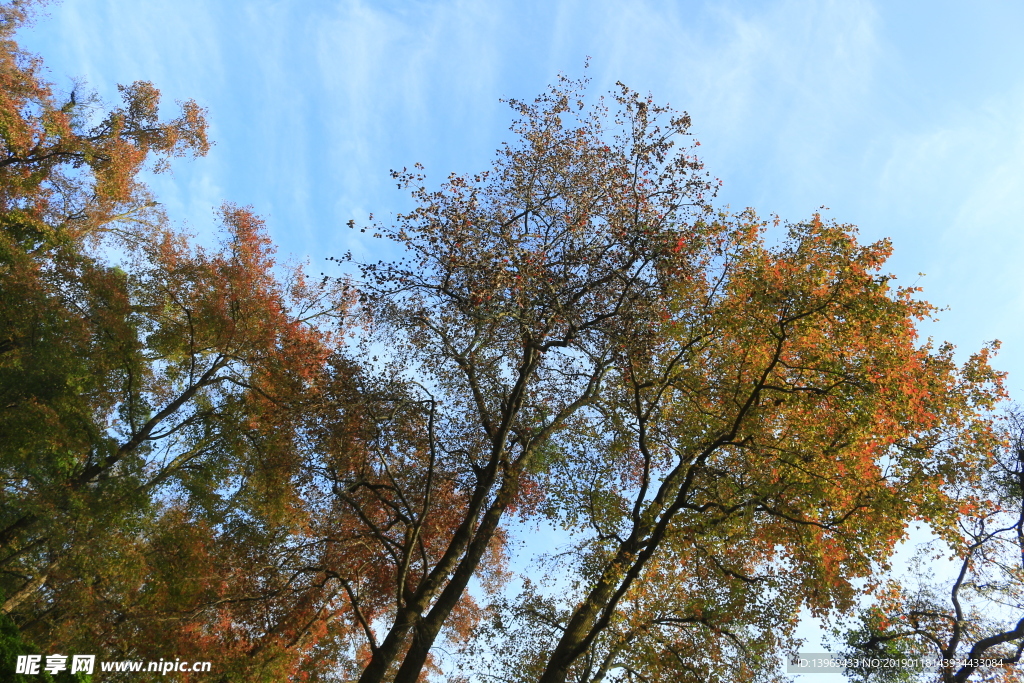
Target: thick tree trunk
{"points": [[469, 542], [427, 629], [387, 653], [580, 631], [592, 615], [28, 588]]}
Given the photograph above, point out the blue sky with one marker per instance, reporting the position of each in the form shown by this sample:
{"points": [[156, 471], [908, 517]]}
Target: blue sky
{"points": [[905, 118]]}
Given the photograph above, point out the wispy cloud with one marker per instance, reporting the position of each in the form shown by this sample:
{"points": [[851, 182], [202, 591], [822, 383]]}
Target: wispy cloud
{"points": [[798, 103], [959, 184]]}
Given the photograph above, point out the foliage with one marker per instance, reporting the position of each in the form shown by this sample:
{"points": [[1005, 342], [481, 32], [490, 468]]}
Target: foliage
{"points": [[12, 645], [732, 422], [151, 398], [732, 429], [763, 455], [518, 286], [973, 620]]}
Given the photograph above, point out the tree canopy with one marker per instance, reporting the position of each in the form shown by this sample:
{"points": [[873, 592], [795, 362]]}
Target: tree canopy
{"points": [[213, 456]]}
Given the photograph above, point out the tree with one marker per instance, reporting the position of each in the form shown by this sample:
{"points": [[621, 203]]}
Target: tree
{"points": [[732, 427], [507, 312], [971, 623], [152, 398], [62, 183], [728, 420], [775, 455]]}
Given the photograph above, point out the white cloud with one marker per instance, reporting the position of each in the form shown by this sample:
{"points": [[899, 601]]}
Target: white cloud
{"points": [[959, 185]]}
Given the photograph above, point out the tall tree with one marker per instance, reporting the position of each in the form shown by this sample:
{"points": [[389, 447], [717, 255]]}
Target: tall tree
{"points": [[507, 311], [771, 446], [734, 428], [68, 330], [728, 418], [970, 622], [154, 399]]}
